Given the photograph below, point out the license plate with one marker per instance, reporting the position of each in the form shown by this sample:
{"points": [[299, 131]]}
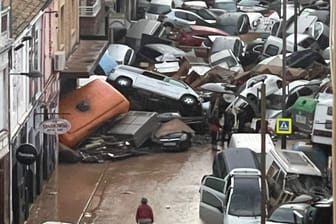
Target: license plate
{"points": [[300, 119], [169, 144]]}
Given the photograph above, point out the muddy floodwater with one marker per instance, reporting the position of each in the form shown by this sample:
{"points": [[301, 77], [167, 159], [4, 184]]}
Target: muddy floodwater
{"points": [[109, 193]]}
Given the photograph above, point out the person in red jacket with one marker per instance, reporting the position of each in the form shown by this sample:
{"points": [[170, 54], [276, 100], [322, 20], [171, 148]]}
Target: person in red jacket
{"points": [[144, 214]]}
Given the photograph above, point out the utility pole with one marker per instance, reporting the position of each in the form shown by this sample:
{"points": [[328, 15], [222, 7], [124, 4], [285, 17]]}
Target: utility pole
{"points": [[333, 80], [296, 7], [284, 70], [263, 154]]}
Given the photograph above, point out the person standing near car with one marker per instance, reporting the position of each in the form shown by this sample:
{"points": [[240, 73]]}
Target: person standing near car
{"points": [[214, 120], [144, 213]]}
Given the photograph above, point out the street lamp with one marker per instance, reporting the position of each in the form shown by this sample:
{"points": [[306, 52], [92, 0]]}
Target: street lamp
{"points": [[32, 74]]}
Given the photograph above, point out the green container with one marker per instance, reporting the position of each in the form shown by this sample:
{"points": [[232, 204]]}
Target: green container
{"points": [[302, 113]]}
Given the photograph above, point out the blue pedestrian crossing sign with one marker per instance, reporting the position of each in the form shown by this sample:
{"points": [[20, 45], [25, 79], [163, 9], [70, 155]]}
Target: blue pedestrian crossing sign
{"points": [[283, 126]]}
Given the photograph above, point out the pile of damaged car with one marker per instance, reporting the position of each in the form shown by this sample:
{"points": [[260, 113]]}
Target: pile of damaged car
{"points": [[159, 85]]}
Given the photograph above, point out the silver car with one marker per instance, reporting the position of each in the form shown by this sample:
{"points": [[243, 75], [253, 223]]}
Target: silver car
{"points": [[131, 77]]}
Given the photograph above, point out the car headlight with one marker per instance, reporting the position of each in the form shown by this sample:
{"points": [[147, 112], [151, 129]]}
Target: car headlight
{"points": [[184, 137]]}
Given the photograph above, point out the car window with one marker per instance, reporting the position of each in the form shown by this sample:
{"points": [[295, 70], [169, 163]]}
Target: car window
{"points": [[206, 14], [306, 43], [191, 17], [271, 50], [128, 56], [158, 9], [175, 82], [181, 15], [153, 75], [210, 199], [149, 53], [291, 99], [274, 102], [245, 197], [283, 215], [229, 60], [229, 6], [215, 184], [329, 111]]}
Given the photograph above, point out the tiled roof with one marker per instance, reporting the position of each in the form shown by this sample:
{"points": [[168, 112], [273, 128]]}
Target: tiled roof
{"points": [[23, 11]]}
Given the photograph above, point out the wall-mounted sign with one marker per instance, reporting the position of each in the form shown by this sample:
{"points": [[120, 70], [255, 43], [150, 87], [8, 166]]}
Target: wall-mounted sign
{"points": [[55, 126], [26, 154]]}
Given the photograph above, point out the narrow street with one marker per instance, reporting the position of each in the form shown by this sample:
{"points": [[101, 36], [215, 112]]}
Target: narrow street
{"points": [[110, 192]]}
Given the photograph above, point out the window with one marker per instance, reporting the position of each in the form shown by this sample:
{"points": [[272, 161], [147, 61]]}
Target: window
{"points": [[3, 102], [329, 111], [328, 124], [4, 23], [306, 43], [191, 17], [215, 184], [271, 50], [181, 15], [210, 199]]}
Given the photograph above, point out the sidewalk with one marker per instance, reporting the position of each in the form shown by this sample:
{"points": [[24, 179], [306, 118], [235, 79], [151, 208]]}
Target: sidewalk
{"points": [[66, 194]]}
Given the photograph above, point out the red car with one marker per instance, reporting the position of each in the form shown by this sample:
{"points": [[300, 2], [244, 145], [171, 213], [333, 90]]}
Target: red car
{"points": [[194, 35]]}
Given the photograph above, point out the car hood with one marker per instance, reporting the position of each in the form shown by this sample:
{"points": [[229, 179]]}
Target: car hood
{"points": [[242, 220]]}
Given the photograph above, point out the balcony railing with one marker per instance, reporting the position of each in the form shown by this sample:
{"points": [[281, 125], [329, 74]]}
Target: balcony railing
{"points": [[89, 8]]}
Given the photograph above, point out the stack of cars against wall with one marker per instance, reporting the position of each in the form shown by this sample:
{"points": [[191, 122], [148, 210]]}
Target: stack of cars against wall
{"points": [[170, 65]]}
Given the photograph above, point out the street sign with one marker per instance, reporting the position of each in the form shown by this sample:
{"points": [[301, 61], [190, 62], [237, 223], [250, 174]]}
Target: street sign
{"points": [[283, 126], [55, 126]]}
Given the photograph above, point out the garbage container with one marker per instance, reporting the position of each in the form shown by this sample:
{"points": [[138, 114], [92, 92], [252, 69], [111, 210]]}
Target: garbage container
{"points": [[303, 114]]}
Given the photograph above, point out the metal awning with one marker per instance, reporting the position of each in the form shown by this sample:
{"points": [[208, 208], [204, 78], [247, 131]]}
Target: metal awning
{"points": [[84, 60]]}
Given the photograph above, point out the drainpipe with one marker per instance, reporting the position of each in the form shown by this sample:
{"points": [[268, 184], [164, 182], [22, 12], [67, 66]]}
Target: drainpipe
{"points": [[333, 74]]}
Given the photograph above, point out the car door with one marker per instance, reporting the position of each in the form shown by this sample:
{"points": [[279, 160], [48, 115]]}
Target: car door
{"points": [[211, 208], [149, 81]]}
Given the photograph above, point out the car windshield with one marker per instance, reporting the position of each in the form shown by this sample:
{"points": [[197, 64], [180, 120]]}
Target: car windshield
{"points": [[245, 198], [284, 215], [158, 9], [274, 102]]}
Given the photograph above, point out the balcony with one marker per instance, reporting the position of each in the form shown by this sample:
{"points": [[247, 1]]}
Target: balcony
{"points": [[89, 8]]}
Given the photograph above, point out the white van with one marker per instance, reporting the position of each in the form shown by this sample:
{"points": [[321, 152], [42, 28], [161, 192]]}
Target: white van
{"points": [[322, 125], [274, 45]]}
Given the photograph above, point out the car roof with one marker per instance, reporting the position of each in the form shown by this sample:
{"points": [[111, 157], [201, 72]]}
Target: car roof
{"points": [[296, 162], [239, 158]]}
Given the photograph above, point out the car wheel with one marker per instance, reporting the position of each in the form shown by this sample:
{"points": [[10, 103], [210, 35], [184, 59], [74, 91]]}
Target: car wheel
{"points": [[188, 100], [124, 82]]}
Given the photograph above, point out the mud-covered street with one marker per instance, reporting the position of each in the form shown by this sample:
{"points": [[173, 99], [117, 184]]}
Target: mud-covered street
{"points": [[110, 192]]}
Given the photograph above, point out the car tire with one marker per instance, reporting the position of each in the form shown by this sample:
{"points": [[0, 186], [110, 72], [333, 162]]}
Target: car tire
{"points": [[123, 82], [188, 100]]}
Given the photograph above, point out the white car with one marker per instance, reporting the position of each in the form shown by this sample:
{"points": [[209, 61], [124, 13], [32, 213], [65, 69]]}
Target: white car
{"points": [[226, 59], [232, 200], [123, 54], [131, 77], [251, 89], [178, 18]]}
